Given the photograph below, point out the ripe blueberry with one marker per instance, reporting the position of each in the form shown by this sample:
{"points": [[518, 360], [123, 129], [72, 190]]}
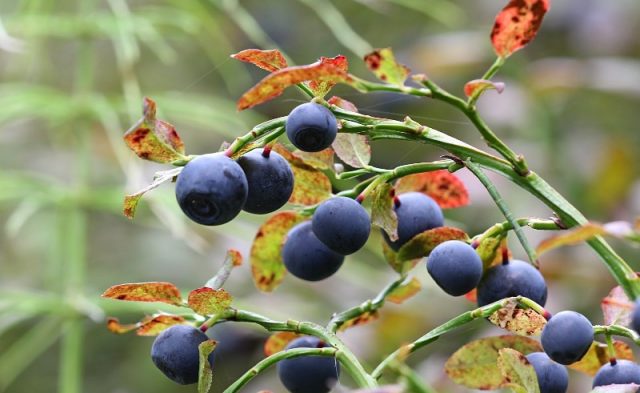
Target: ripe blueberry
{"points": [[635, 316], [567, 336], [552, 377], [455, 267], [211, 189], [175, 353], [308, 374], [270, 180], [342, 224], [311, 127], [416, 213], [306, 257], [513, 278], [620, 373]]}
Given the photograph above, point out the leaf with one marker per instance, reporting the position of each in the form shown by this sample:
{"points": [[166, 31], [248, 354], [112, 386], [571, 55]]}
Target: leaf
{"points": [[321, 87], [475, 364], [571, 237], [396, 264], [382, 62], [278, 341], [405, 291], [382, 210], [598, 355], [617, 307], [516, 25], [310, 186], [478, 86], [208, 301], [164, 292], [421, 244], [324, 72], [318, 160], [362, 319], [523, 322], [155, 325], [131, 201], [270, 60], [205, 374], [444, 187], [265, 257], [627, 388], [154, 140], [518, 374]]}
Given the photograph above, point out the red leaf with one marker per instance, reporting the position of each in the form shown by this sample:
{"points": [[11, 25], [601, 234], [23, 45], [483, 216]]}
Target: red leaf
{"points": [[477, 86], [164, 292], [383, 64], [323, 72], [270, 60], [517, 24], [444, 187]]}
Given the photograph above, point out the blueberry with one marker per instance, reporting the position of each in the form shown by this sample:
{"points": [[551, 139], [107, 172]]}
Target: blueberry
{"points": [[211, 189], [270, 181], [311, 127], [416, 213], [552, 377], [620, 373], [514, 278], [567, 336], [342, 224], [635, 317], [306, 257], [455, 267], [308, 374], [175, 353]]}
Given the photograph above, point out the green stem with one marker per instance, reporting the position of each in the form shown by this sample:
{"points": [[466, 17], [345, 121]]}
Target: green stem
{"points": [[275, 358], [460, 320], [495, 195], [367, 306]]}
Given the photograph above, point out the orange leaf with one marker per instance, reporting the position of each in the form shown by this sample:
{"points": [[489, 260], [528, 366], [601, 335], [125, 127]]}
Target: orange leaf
{"points": [[323, 72], [278, 341], [208, 301], [444, 187], [382, 62], [155, 325], [517, 24], [270, 60], [164, 292], [310, 186], [266, 257]]}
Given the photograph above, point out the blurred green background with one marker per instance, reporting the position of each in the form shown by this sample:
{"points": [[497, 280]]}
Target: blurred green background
{"points": [[72, 77]]}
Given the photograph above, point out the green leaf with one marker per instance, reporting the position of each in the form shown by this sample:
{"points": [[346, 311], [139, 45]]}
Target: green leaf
{"points": [[475, 364], [518, 374], [205, 374], [265, 257], [131, 200], [523, 322], [382, 62], [154, 140], [382, 212], [164, 292], [421, 245], [208, 301]]}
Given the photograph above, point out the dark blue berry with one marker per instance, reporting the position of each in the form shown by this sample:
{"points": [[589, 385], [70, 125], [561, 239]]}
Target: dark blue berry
{"points": [[514, 278], [416, 213], [270, 181], [211, 189], [552, 377], [311, 127], [455, 267], [620, 373], [175, 353], [342, 224], [308, 374], [567, 336], [306, 257]]}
